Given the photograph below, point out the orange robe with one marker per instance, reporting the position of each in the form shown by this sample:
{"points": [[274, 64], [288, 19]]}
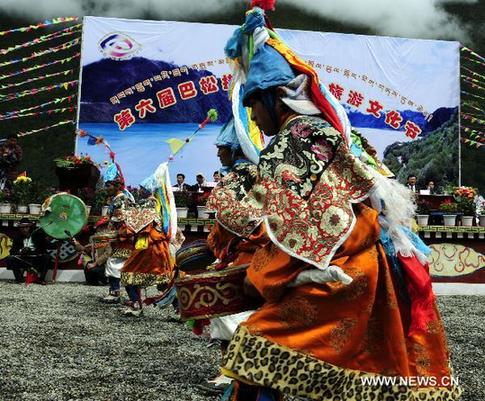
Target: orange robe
{"points": [[152, 265], [319, 340]]}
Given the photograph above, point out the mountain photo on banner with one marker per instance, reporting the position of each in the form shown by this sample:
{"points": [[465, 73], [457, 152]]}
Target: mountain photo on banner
{"points": [[141, 145]]}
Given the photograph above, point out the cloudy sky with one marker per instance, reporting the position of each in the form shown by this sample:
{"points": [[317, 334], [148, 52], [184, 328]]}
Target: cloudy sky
{"points": [[460, 20]]}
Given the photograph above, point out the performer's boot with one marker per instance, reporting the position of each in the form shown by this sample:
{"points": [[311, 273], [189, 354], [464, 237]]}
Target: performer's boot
{"points": [[112, 298], [135, 310]]}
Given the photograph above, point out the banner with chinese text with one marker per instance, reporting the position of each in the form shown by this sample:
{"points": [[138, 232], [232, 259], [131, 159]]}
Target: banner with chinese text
{"points": [[144, 82]]}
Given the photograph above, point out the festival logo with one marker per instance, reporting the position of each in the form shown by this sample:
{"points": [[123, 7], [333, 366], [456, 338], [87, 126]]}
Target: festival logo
{"points": [[118, 46]]}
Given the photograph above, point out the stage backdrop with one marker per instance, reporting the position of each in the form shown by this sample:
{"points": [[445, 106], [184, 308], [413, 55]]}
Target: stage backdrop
{"points": [[144, 82]]}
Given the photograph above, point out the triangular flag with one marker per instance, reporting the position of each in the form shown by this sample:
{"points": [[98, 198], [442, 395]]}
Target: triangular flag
{"points": [[175, 145]]}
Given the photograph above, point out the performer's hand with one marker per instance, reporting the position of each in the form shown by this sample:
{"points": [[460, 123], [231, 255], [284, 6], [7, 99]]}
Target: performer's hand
{"points": [[91, 265]]}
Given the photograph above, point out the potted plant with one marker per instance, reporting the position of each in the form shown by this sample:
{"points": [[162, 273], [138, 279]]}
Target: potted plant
{"points": [[22, 193], [202, 212], [422, 212], [181, 203], [5, 205], [42, 194], [36, 200], [449, 210], [465, 199]]}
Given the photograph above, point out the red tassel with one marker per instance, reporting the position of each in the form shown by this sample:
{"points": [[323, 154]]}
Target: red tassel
{"points": [[420, 292], [267, 5]]}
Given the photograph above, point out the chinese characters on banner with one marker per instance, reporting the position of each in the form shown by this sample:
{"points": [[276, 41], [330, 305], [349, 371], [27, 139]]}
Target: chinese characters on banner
{"points": [[206, 85], [374, 107], [166, 97]]}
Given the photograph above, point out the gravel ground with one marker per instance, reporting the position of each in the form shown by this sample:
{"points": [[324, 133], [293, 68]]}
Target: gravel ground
{"points": [[59, 343]]}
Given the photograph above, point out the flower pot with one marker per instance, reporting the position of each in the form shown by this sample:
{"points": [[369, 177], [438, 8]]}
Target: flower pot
{"points": [[35, 208], [22, 209], [5, 208], [202, 212], [88, 210], [182, 212], [481, 220], [104, 210], [467, 221], [449, 220], [422, 219]]}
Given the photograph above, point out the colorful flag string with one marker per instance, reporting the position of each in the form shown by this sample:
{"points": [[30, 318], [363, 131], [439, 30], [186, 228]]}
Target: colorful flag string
{"points": [[40, 66], [45, 38], [38, 113], [97, 140], [474, 73], [472, 142], [477, 138], [46, 23], [47, 128], [470, 79], [472, 106], [61, 85], [56, 49], [473, 131], [472, 118], [471, 82], [42, 77], [473, 60], [466, 49], [55, 101], [472, 94]]}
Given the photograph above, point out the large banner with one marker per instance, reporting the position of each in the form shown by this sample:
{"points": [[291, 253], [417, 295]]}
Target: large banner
{"points": [[146, 82]]}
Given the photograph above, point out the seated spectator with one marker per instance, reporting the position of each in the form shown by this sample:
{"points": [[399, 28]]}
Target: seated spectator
{"points": [[200, 183], [432, 188], [181, 185], [411, 183], [28, 253], [216, 178]]}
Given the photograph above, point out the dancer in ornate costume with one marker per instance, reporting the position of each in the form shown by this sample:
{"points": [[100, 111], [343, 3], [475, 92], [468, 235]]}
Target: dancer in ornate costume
{"points": [[152, 261], [347, 293], [153, 227], [239, 175], [121, 240]]}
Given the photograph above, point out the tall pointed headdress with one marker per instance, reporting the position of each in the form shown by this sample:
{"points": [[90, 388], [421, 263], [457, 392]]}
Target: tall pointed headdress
{"points": [[262, 60]]}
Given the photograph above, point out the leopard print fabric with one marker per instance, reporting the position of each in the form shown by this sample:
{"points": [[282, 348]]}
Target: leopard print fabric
{"points": [[255, 359]]}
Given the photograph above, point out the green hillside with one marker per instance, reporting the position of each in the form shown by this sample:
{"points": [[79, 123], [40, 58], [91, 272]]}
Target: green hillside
{"points": [[434, 157]]}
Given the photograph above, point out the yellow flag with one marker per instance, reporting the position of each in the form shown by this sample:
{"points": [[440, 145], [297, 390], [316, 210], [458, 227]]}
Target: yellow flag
{"points": [[175, 145]]}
